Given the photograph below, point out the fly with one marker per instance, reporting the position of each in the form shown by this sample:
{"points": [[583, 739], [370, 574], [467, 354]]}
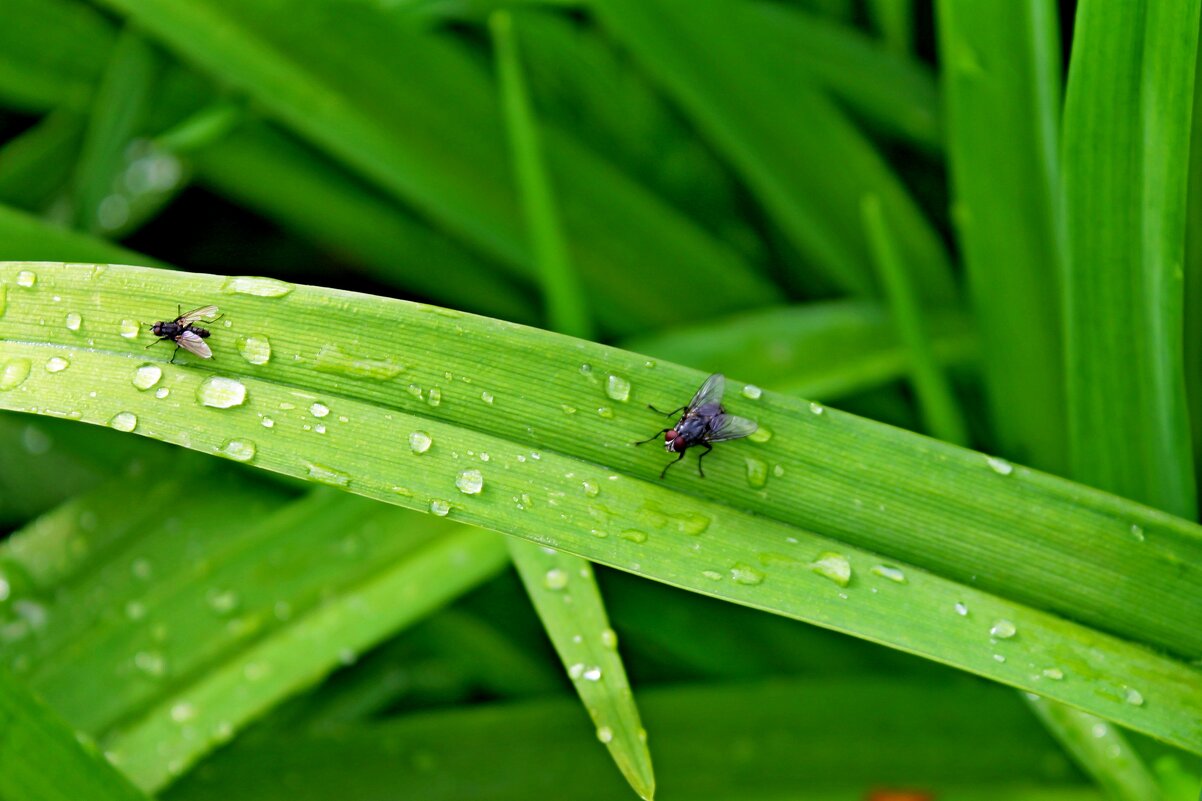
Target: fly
{"points": [[704, 422], [185, 333]]}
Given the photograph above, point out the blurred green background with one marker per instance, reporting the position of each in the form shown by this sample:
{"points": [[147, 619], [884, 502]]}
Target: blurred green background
{"points": [[970, 218]]}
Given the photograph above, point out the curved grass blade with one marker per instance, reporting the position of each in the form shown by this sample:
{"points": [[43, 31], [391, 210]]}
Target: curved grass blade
{"points": [[51, 52], [834, 520]]}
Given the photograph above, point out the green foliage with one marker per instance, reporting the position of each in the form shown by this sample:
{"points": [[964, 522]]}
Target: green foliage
{"points": [[755, 188]]}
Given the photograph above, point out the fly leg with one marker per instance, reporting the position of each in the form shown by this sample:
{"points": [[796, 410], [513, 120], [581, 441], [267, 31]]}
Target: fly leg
{"points": [[653, 436], [666, 414], [677, 459], [708, 448], [172, 360]]}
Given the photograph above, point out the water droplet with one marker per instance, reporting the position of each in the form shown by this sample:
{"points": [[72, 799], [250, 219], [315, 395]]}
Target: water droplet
{"points": [[590, 488], [887, 572], [778, 470], [833, 566], [1099, 730], [434, 396], [486, 397], [617, 388], [223, 602], [268, 422], [816, 408], [761, 434], [757, 472], [332, 359], [470, 482], [240, 450], [1137, 532], [609, 638], [255, 348], [124, 421], [1133, 696], [56, 364], [606, 412], [1055, 674], [327, 475], [999, 658], [555, 579], [633, 535], [255, 285], [135, 610], [999, 466], [592, 673], [605, 734], [73, 321], [415, 391], [742, 573], [567, 409], [712, 575], [752, 391], [183, 712], [162, 392], [1003, 630], [221, 393], [420, 442], [27, 278], [129, 328], [440, 508], [319, 410], [961, 609], [152, 663], [147, 376], [13, 373]]}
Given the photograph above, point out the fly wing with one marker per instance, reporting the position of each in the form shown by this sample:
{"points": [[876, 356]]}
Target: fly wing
{"points": [[191, 342], [729, 426], [710, 392], [188, 318]]}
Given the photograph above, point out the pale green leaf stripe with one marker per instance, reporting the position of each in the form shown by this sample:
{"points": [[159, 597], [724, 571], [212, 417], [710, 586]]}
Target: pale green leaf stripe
{"points": [[477, 387], [43, 759], [1124, 187], [1003, 139]]}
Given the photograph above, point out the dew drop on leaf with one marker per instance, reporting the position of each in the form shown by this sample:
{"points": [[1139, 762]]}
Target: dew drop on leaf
{"points": [[440, 508], [470, 482], [73, 321], [129, 328], [56, 364], [327, 475], [319, 410], [752, 391], [555, 579], [240, 450], [757, 472], [147, 375], [420, 442], [999, 466], [27, 278], [633, 535], [887, 572], [124, 421], [1003, 630], [742, 573], [13, 373], [255, 285], [816, 408], [617, 388], [220, 392], [833, 566], [605, 734], [255, 349]]}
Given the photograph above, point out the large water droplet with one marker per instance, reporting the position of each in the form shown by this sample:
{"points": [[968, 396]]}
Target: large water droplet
{"points": [[752, 391], [327, 475], [617, 387], [240, 450], [124, 421], [420, 442], [27, 278], [757, 472], [999, 466], [56, 364], [13, 373], [129, 328], [221, 393], [555, 579], [605, 734], [816, 408], [255, 348], [440, 508], [1003, 630], [147, 376], [742, 573], [434, 396], [319, 410], [332, 359], [887, 572], [833, 566], [73, 321], [470, 482], [255, 285]]}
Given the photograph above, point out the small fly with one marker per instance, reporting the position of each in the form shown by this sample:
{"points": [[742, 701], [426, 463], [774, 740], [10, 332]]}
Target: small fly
{"points": [[185, 333], [704, 422]]}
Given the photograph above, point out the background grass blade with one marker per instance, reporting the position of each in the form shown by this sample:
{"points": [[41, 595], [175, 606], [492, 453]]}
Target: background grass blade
{"points": [[744, 523], [1003, 143], [1125, 219]]}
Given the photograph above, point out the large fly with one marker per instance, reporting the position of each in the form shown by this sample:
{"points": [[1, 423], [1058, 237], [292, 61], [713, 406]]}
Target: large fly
{"points": [[185, 333], [704, 421]]}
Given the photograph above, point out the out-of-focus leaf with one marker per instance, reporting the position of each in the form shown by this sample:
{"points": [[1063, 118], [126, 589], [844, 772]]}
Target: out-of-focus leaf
{"points": [[51, 52], [35, 166]]}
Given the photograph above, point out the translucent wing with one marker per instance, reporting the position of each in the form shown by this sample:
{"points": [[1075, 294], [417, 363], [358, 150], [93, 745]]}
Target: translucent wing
{"points": [[196, 314], [728, 426], [191, 342], [710, 392]]}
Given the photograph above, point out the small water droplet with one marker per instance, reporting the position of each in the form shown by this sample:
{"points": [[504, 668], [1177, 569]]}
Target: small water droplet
{"points": [[633, 535], [609, 638], [183, 712], [222, 602], [327, 475], [135, 610], [27, 278], [757, 472], [606, 412], [592, 673], [752, 391], [999, 658], [555, 579], [742, 573], [240, 450], [605, 734], [434, 396], [124, 421], [56, 364], [13, 373], [778, 470], [470, 482], [888, 572], [617, 388], [1137, 531], [440, 508], [73, 321], [220, 392], [1055, 674], [712, 575], [420, 442], [961, 609], [147, 375], [268, 422], [487, 397], [152, 663], [255, 348], [257, 286], [999, 466], [833, 566], [129, 328], [590, 488], [1003, 630], [761, 434], [1133, 696], [567, 409], [1099, 730], [319, 410]]}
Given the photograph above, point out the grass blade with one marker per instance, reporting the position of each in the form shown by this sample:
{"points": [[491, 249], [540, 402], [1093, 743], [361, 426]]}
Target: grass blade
{"points": [[1124, 184], [51, 52], [36, 165], [895, 21]]}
